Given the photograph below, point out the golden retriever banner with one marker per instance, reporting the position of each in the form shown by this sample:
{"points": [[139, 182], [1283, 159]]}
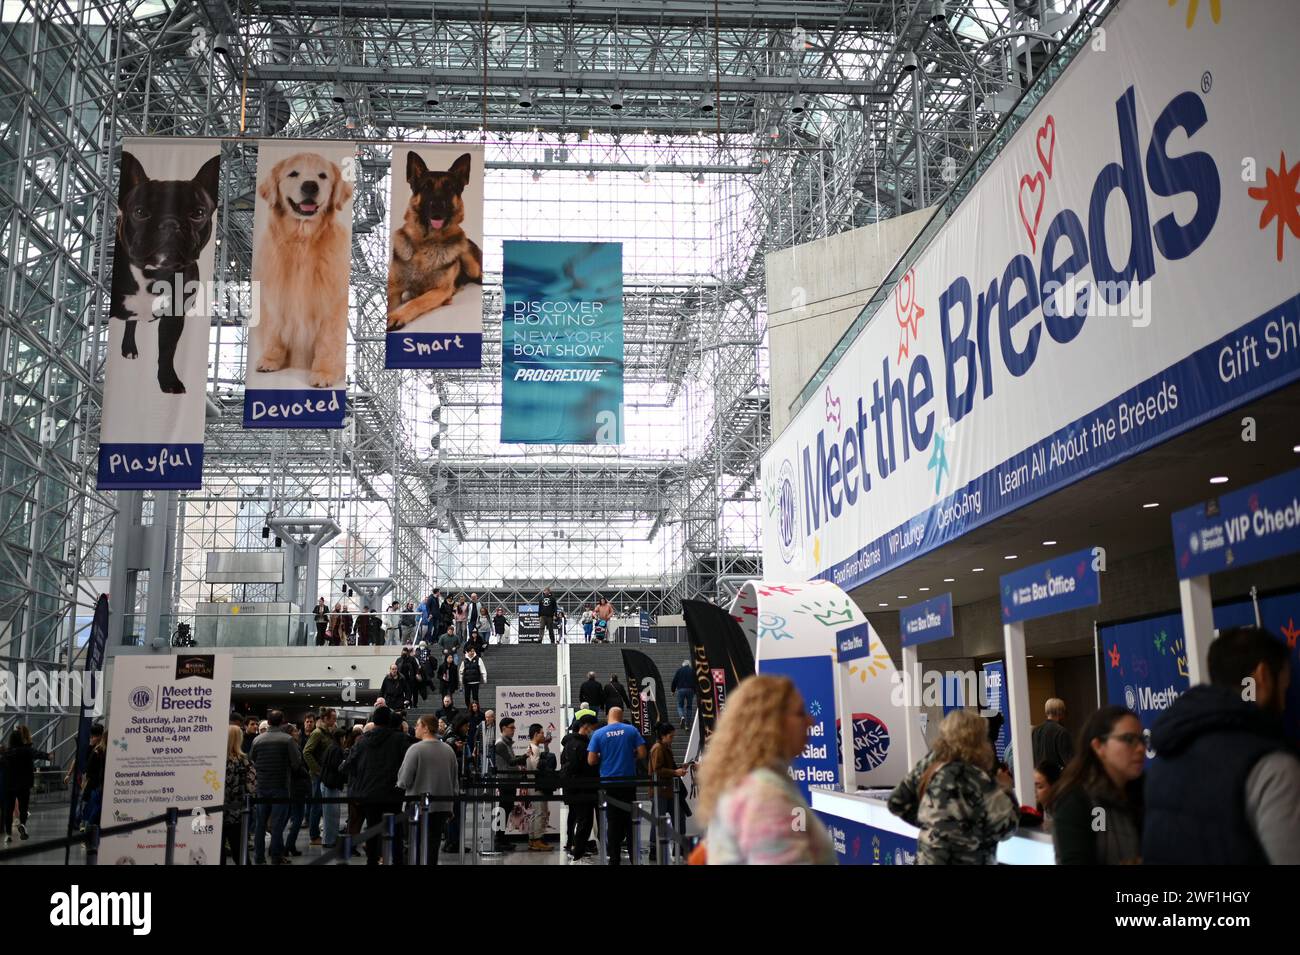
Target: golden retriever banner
{"points": [[302, 256], [435, 267]]}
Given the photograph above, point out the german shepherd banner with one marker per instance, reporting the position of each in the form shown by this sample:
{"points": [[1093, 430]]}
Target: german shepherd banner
{"points": [[151, 431], [435, 268], [302, 258]]}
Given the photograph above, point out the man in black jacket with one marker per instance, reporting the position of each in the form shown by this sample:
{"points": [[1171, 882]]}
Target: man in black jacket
{"points": [[591, 692], [1050, 740], [372, 770], [393, 689], [579, 781], [275, 756], [684, 687], [616, 694]]}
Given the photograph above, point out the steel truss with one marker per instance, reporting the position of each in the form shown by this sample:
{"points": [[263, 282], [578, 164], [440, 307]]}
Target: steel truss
{"points": [[703, 133]]}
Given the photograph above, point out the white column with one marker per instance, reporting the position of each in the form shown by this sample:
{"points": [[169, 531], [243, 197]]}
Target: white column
{"points": [[1198, 626], [848, 771], [912, 737], [1017, 691]]}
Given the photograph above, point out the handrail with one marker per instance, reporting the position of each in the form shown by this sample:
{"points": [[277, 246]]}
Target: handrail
{"points": [[1012, 120]]}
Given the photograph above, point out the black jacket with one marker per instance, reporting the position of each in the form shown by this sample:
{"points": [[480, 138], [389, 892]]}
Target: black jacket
{"points": [[449, 674], [546, 606], [684, 679], [373, 765], [1206, 744], [1051, 743], [574, 768], [499, 624], [407, 666], [592, 693], [616, 695], [449, 715], [393, 691], [19, 767]]}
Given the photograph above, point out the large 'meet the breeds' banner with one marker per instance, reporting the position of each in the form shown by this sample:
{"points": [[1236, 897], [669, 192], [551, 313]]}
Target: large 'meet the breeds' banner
{"points": [[151, 433], [562, 343], [302, 258], [1121, 273], [435, 267]]}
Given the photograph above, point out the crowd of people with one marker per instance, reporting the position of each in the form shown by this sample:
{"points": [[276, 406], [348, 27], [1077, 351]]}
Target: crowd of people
{"points": [[18, 759], [465, 617], [1223, 790]]}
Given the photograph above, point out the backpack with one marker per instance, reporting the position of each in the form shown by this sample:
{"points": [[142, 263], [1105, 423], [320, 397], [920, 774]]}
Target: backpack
{"points": [[331, 774], [546, 774]]}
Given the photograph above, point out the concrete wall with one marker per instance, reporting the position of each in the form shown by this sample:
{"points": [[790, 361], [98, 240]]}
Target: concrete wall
{"points": [[829, 281]]}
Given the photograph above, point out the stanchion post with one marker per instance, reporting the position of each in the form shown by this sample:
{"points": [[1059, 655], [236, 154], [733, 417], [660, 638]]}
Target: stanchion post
{"points": [[413, 830], [92, 844], [422, 857], [244, 824], [169, 857], [390, 829], [345, 857], [604, 826], [634, 853], [656, 825]]}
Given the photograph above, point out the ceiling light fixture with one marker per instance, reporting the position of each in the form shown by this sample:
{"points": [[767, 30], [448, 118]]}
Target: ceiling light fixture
{"points": [[1049, 543], [977, 570], [1219, 479], [616, 100], [431, 97], [1010, 556], [950, 580], [1151, 504]]}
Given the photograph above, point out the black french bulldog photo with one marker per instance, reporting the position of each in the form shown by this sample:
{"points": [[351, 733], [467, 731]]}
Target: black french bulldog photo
{"points": [[162, 226]]}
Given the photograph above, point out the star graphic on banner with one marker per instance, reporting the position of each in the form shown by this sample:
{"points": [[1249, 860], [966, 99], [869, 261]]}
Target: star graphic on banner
{"points": [[1281, 197], [1291, 631], [1114, 656]]}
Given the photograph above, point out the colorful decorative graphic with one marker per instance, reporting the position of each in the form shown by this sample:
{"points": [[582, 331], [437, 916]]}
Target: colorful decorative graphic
{"points": [[833, 613], [774, 626], [1194, 5], [833, 410], [870, 742], [1281, 197], [907, 311]]}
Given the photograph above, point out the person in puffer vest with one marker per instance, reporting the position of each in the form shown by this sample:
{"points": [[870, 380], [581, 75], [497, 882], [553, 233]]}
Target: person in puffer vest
{"points": [[1224, 788]]}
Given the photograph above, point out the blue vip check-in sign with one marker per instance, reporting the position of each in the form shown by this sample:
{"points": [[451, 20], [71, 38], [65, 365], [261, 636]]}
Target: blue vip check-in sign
{"points": [[1064, 583], [926, 621], [1256, 523]]}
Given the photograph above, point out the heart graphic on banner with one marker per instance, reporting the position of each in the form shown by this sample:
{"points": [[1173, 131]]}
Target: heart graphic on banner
{"points": [[1035, 185], [1048, 132]]}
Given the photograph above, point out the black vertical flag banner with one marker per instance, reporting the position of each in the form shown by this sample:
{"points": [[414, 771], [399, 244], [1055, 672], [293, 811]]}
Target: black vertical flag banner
{"points": [[93, 672], [647, 691], [720, 655]]}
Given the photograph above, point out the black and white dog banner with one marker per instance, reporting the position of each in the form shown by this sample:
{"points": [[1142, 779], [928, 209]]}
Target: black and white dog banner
{"points": [[151, 432]]}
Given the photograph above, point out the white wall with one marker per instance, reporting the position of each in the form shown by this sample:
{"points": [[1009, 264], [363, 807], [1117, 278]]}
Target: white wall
{"points": [[832, 278]]}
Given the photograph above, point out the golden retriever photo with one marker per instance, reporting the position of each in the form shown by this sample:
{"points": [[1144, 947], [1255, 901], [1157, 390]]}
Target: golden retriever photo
{"points": [[432, 255], [301, 264]]}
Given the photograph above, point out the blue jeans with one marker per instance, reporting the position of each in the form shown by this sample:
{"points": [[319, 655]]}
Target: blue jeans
{"points": [[279, 815], [314, 812], [330, 816], [686, 704]]}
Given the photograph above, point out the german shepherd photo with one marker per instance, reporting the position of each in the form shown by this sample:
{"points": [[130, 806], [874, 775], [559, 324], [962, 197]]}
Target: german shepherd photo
{"points": [[432, 256]]}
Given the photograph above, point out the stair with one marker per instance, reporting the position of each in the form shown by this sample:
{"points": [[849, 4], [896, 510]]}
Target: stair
{"points": [[507, 665], [607, 658]]}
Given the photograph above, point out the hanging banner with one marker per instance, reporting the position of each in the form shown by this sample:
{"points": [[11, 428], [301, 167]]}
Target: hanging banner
{"points": [[527, 705], [721, 657], [302, 260], [562, 343], [435, 267], [1243, 527], [166, 747], [155, 381], [926, 621], [1063, 583], [1133, 279]]}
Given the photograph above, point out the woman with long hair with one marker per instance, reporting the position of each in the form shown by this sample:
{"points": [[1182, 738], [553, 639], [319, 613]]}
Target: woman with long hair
{"points": [[1096, 805], [241, 780], [951, 796], [18, 773], [747, 798]]}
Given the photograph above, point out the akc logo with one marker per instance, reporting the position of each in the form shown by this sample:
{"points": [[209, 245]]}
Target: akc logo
{"points": [[788, 508], [141, 698], [1130, 698]]}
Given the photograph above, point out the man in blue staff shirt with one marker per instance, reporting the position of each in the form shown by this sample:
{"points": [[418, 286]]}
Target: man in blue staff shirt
{"points": [[615, 748]]}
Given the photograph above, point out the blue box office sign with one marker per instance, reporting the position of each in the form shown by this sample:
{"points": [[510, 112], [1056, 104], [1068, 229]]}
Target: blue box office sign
{"points": [[852, 643], [1054, 586], [1244, 527], [926, 621]]}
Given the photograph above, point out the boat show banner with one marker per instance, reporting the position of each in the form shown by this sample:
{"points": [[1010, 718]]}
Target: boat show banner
{"points": [[562, 343], [160, 311], [1133, 279], [302, 260], [435, 265]]}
